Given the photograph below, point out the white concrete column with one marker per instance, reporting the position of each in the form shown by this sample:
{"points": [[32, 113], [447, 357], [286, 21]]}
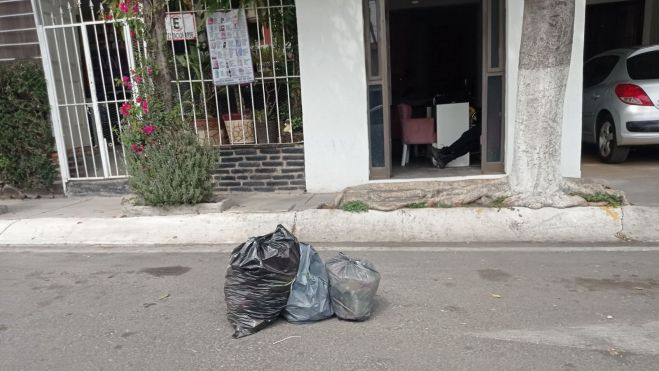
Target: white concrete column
{"points": [[571, 144], [334, 100]]}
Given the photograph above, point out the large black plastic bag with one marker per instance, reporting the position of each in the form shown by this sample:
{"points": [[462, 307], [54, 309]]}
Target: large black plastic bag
{"points": [[258, 280], [353, 284], [309, 300]]}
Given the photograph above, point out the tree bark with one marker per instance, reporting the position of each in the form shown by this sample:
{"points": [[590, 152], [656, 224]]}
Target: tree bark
{"points": [[544, 64], [156, 39]]}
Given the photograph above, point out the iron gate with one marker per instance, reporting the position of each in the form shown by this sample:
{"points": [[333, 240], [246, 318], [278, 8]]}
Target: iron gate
{"points": [[82, 57]]}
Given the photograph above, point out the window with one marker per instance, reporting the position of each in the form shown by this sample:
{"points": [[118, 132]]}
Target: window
{"points": [[373, 38], [598, 69], [644, 66]]}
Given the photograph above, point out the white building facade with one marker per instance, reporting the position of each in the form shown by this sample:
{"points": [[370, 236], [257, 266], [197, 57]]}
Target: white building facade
{"points": [[335, 85], [341, 69]]}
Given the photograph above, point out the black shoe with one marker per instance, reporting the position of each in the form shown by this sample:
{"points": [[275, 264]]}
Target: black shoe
{"points": [[441, 162]]}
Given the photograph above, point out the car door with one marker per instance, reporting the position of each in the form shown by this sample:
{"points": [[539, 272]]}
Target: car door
{"points": [[594, 93]]}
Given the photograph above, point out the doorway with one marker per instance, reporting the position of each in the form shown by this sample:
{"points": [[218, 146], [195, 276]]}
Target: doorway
{"points": [[441, 74]]}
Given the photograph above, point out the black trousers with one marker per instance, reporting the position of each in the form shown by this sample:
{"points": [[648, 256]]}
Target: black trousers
{"points": [[469, 141]]}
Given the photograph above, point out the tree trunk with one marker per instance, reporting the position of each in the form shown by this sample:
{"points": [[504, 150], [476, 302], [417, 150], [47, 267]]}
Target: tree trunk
{"points": [[156, 38], [544, 64]]}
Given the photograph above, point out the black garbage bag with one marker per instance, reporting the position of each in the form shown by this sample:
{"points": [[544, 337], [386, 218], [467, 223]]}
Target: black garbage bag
{"points": [[353, 284], [259, 279]]}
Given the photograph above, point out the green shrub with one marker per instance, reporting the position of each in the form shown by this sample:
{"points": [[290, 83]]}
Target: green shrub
{"points": [[173, 169], [166, 163], [26, 139]]}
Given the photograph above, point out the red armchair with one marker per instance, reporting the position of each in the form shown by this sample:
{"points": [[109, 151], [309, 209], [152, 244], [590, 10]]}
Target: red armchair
{"points": [[415, 131]]}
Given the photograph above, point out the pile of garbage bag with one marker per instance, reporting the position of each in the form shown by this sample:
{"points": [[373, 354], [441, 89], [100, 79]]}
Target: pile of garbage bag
{"points": [[276, 275]]}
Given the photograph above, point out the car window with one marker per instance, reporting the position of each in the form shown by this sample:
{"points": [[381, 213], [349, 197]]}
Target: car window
{"points": [[644, 66], [598, 69]]}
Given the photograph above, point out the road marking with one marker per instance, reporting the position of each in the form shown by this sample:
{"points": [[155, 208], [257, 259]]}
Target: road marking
{"points": [[621, 338]]}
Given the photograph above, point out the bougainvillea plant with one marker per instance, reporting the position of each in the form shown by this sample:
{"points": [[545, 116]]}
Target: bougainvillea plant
{"points": [[166, 163], [141, 116]]}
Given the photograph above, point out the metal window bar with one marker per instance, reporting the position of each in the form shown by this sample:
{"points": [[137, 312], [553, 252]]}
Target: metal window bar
{"points": [[264, 117], [115, 101], [104, 88], [74, 90]]}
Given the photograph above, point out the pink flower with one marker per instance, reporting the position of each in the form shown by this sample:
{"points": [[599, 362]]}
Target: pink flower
{"points": [[123, 7], [125, 109], [149, 71], [137, 148], [136, 8], [145, 106], [149, 129], [138, 79], [126, 81], [138, 100]]}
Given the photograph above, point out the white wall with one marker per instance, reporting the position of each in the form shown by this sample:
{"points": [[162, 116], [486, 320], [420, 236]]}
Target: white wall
{"points": [[571, 143], [333, 78]]}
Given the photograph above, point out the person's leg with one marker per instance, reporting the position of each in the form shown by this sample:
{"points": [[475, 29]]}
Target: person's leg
{"points": [[469, 141]]}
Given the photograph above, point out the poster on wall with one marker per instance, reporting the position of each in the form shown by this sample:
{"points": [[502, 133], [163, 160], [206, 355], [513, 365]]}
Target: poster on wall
{"points": [[228, 39]]}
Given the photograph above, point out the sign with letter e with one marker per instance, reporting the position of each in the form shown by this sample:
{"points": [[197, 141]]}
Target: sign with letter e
{"points": [[181, 26]]}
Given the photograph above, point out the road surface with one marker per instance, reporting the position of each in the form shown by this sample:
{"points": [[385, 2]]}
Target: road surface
{"points": [[471, 309]]}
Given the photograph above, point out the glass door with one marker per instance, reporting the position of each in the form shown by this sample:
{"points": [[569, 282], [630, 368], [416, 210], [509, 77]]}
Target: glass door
{"points": [[494, 59], [377, 74]]}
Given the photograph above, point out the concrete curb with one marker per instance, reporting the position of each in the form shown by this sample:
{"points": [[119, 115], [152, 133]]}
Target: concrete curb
{"points": [[462, 225], [641, 223], [203, 208], [458, 225]]}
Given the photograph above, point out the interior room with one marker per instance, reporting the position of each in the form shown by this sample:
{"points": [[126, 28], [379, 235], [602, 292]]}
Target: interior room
{"points": [[435, 58]]}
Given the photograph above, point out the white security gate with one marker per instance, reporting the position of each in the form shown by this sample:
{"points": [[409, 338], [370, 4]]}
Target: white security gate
{"points": [[84, 53]]}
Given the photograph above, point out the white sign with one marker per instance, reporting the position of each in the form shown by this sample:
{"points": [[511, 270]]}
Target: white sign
{"points": [[228, 40], [181, 26]]}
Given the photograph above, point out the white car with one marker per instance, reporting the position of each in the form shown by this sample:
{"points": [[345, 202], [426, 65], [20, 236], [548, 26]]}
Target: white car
{"points": [[621, 101]]}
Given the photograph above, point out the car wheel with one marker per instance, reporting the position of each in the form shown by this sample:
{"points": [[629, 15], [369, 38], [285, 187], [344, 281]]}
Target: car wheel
{"points": [[607, 144]]}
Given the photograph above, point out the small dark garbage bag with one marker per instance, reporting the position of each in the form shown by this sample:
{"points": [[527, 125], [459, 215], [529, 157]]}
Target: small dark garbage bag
{"points": [[353, 284], [310, 300], [259, 279]]}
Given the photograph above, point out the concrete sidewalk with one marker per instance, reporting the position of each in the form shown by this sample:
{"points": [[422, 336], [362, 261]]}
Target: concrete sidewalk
{"points": [[105, 221]]}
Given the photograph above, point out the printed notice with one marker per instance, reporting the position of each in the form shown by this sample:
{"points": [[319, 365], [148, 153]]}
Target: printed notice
{"points": [[228, 38]]}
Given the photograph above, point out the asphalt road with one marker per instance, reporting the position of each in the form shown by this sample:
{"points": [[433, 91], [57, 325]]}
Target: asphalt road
{"points": [[437, 310], [637, 176]]}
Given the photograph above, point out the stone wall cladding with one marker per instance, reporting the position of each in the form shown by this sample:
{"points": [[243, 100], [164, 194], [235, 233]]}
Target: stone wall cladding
{"points": [[260, 168]]}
